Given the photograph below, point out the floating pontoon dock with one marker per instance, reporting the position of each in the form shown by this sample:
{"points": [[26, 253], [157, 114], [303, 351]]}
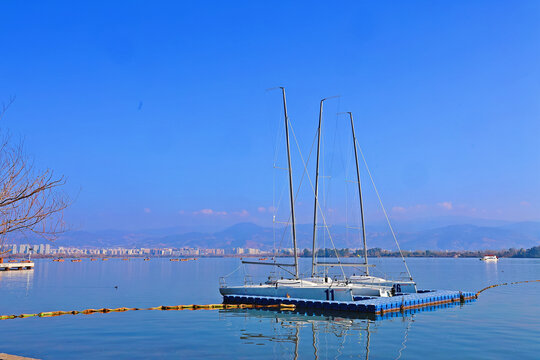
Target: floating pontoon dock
{"points": [[378, 305], [5, 266]]}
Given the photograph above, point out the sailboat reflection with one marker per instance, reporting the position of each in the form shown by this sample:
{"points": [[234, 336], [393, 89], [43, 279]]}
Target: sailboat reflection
{"points": [[333, 335]]}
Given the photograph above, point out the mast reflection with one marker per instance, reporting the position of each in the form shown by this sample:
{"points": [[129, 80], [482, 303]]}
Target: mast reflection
{"points": [[333, 334]]}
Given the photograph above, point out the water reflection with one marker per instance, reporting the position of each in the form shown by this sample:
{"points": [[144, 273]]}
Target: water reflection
{"points": [[491, 271], [324, 335], [17, 279]]}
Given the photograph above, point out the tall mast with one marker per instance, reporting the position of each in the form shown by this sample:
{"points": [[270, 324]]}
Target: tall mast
{"points": [[291, 190], [314, 249], [359, 193]]}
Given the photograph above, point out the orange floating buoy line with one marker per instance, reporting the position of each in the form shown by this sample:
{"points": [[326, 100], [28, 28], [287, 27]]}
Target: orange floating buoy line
{"points": [[176, 307], [76, 260], [510, 283], [58, 260], [175, 259]]}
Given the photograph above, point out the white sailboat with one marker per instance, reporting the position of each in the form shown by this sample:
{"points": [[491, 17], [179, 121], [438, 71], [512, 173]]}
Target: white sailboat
{"points": [[319, 287]]}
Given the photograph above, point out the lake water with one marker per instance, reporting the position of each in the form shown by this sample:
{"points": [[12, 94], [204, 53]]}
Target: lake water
{"points": [[504, 323]]}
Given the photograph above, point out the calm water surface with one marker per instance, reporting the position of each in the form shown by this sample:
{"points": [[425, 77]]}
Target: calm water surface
{"points": [[503, 323]]}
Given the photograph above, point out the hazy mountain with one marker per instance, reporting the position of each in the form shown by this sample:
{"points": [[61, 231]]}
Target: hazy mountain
{"points": [[468, 237], [423, 224], [527, 228], [449, 237]]}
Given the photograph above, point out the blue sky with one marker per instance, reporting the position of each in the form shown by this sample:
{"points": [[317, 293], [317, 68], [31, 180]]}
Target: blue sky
{"points": [[158, 115]]}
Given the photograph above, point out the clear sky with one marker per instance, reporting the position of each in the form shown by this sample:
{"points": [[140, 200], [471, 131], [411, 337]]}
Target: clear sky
{"points": [[158, 115]]}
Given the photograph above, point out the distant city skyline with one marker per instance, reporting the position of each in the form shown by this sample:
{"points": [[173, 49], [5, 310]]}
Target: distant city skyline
{"points": [[158, 114]]}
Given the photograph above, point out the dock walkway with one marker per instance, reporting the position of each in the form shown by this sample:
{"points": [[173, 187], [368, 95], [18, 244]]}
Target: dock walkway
{"points": [[25, 265], [378, 305]]}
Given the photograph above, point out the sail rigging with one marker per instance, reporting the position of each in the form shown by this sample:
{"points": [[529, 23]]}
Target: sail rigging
{"points": [[347, 288], [291, 188], [359, 194]]}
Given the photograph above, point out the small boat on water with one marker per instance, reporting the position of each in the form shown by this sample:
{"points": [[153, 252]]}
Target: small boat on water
{"points": [[146, 259], [58, 260], [176, 260], [490, 258], [104, 259], [319, 287], [76, 260], [125, 259]]}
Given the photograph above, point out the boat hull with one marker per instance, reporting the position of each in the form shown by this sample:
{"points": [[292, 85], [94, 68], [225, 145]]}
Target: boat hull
{"points": [[312, 289], [339, 293], [398, 287]]}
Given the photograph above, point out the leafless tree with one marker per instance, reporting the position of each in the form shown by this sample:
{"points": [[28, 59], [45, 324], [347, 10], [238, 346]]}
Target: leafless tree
{"points": [[31, 200]]}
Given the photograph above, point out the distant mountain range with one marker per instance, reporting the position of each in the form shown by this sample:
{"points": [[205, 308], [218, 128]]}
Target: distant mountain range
{"points": [[482, 235]]}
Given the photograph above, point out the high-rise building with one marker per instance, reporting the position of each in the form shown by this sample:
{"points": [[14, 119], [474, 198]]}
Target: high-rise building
{"points": [[43, 249]]}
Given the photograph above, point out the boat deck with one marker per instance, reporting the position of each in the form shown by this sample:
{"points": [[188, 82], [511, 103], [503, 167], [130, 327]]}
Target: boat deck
{"points": [[379, 305]]}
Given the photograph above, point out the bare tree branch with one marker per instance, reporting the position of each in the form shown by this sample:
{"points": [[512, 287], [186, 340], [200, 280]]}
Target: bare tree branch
{"points": [[5, 106], [31, 201]]}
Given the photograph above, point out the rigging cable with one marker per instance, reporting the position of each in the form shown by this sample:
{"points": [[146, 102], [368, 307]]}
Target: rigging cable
{"points": [[300, 183], [276, 150], [384, 211], [318, 204]]}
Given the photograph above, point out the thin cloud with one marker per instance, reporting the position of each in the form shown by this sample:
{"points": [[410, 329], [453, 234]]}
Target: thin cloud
{"points": [[242, 213], [398, 209], [446, 205], [209, 212], [414, 209]]}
